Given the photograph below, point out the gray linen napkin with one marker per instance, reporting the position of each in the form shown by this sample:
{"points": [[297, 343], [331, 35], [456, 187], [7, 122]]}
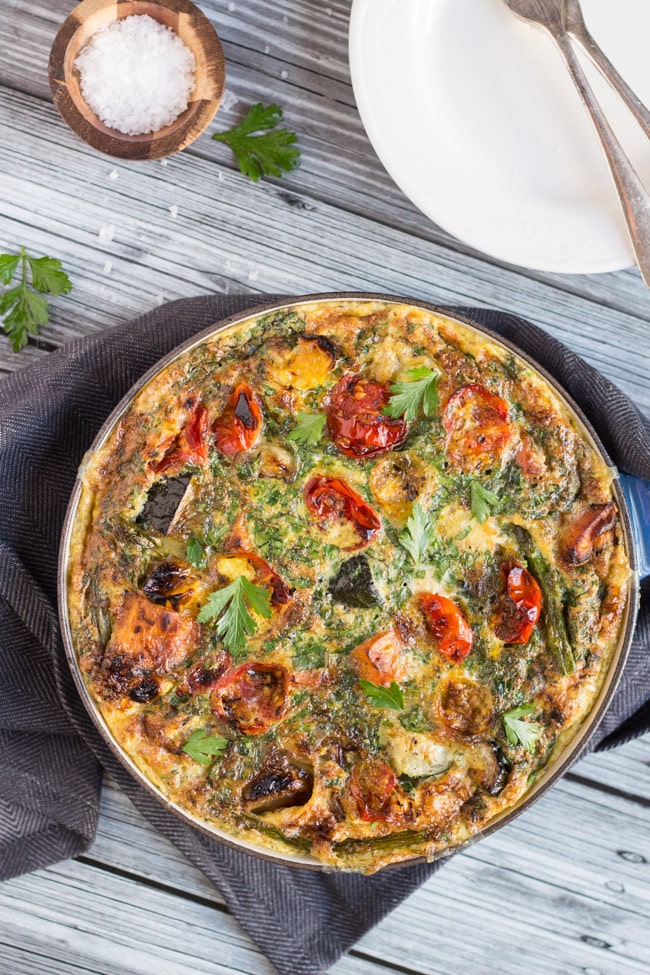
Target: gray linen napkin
{"points": [[51, 756]]}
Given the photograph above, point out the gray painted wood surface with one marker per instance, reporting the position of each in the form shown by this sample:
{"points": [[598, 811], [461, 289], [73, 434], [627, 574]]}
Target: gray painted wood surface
{"points": [[566, 888]]}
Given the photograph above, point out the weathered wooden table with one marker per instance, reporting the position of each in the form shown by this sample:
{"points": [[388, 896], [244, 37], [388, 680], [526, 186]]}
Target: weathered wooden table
{"points": [[566, 888]]}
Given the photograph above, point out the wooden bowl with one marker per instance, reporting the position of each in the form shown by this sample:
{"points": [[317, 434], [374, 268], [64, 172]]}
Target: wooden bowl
{"points": [[194, 29]]}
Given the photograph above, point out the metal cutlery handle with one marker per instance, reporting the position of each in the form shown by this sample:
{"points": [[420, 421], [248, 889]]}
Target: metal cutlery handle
{"points": [[574, 24], [632, 194]]}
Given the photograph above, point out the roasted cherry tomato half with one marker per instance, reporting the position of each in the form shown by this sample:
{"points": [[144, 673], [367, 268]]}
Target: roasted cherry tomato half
{"points": [[264, 574], [355, 421], [329, 499], [252, 697], [447, 625], [378, 659], [519, 608], [204, 676], [580, 539], [477, 425], [190, 446], [465, 706], [372, 784], [240, 425], [170, 584]]}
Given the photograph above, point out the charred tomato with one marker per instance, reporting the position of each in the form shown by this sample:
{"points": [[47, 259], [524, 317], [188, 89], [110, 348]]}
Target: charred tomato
{"points": [[477, 425], [170, 584], [230, 565], [378, 659], [580, 539], [447, 625], [520, 606], [329, 499], [189, 446], [355, 421], [465, 706], [372, 786], [240, 425], [251, 697]]}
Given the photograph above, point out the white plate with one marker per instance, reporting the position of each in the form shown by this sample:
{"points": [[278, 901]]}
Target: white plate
{"points": [[475, 117]]}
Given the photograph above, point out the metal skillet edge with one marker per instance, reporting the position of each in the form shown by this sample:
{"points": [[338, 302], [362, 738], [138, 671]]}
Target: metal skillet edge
{"points": [[571, 751]]}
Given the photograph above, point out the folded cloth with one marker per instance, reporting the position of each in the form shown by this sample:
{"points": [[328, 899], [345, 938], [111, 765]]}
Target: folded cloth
{"points": [[51, 755]]}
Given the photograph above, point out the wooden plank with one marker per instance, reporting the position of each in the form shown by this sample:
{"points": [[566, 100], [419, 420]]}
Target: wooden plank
{"points": [[74, 918], [587, 908], [565, 888], [127, 252], [297, 55], [563, 871], [624, 768], [121, 835], [126, 841]]}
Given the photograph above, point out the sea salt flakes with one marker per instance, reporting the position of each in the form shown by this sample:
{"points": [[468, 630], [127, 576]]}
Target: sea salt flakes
{"points": [[136, 74]]}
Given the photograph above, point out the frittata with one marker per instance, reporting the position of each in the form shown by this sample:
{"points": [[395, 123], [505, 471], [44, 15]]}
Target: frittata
{"points": [[344, 578]]}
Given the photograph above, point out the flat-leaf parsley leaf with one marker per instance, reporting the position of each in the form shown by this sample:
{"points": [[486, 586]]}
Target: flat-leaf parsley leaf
{"points": [[308, 429], [259, 147], [419, 392], [417, 535], [231, 606], [520, 732], [23, 308], [195, 550], [384, 697], [203, 747], [481, 500]]}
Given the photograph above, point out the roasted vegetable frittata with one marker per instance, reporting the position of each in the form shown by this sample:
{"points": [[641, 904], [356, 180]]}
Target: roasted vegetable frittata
{"points": [[343, 577]]}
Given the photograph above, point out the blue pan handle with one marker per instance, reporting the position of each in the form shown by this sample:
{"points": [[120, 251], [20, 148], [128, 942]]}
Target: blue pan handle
{"points": [[637, 495]]}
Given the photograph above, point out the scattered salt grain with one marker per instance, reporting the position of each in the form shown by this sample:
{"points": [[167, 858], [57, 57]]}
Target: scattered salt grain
{"points": [[173, 209], [113, 174], [136, 74], [106, 231], [228, 100]]}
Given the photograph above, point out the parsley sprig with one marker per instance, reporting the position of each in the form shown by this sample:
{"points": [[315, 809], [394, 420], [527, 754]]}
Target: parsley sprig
{"points": [[384, 697], [309, 428], [418, 393], [481, 501], [260, 148], [520, 732], [418, 534], [231, 607], [196, 552], [203, 747], [23, 308]]}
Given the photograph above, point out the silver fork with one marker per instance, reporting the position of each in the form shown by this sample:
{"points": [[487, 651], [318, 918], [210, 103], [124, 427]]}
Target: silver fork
{"points": [[558, 16], [575, 26]]}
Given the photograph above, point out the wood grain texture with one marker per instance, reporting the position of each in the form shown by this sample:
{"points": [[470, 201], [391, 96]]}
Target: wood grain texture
{"points": [[564, 890], [146, 235], [589, 913]]}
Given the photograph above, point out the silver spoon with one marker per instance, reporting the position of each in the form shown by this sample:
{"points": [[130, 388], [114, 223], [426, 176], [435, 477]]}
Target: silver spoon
{"points": [[631, 192]]}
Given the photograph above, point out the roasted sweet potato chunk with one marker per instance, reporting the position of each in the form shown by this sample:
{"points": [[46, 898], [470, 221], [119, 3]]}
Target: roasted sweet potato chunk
{"points": [[148, 639]]}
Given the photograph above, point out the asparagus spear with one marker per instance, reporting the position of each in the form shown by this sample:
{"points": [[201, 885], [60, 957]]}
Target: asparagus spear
{"points": [[252, 822], [394, 842], [553, 618]]}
